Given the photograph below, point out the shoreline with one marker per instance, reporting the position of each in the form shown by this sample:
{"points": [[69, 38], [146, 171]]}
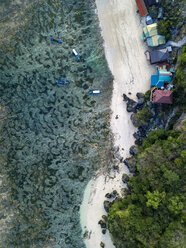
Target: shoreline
{"points": [[124, 50]]}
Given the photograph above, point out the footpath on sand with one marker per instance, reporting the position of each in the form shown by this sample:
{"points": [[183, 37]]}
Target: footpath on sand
{"points": [[124, 49]]}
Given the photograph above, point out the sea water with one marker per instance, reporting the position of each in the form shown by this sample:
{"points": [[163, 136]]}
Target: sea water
{"points": [[53, 138]]}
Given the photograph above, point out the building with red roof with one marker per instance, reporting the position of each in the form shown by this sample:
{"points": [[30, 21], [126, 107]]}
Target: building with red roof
{"points": [[162, 96], [142, 8]]}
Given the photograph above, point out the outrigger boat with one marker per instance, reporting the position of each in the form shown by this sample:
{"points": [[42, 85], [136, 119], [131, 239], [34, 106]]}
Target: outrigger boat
{"points": [[62, 82], [95, 92], [76, 54], [55, 40]]}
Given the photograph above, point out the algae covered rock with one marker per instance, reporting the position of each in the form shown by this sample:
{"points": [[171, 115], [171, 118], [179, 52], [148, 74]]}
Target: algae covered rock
{"points": [[131, 164], [125, 178], [107, 205], [135, 121], [102, 224], [102, 244], [133, 150]]}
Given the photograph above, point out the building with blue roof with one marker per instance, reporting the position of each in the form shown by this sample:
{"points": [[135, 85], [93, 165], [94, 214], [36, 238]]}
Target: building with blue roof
{"points": [[161, 78]]}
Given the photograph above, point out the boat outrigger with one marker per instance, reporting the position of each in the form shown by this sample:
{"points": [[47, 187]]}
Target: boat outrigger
{"points": [[95, 92], [62, 82], [55, 40], [76, 54]]}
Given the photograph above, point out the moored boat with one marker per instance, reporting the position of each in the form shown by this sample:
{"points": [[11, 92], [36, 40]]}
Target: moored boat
{"points": [[95, 92], [55, 40]]}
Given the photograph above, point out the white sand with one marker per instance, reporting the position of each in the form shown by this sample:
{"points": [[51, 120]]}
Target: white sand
{"points": [[124, 49]]}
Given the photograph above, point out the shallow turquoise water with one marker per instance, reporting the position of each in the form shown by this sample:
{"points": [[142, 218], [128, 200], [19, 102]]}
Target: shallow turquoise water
{"points": [[53, 138]]}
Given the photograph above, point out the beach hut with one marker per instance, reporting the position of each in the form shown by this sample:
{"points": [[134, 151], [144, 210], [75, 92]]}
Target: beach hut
{"points": [[158, 56], [162, 96], [161, 78], [156, 40], [150, 30], [142, 8]]}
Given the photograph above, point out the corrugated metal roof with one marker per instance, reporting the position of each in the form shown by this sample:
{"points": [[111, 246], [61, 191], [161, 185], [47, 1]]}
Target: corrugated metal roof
{"points": [[150, 30], [155, 40], [163, 96], [142, 8], [157, 56]]}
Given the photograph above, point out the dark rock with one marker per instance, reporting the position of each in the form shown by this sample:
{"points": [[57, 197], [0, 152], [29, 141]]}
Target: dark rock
{"points": [[126, 162], [131, 105], [125, 178], [104, 217], [140, 95], [107, 205], [125, 97], [102, 224], [115, 193], [140, 104], [136, 135], [131, 164], [102, 244], [135, 121], [142, 131], [133, 150], [138, 142], [116, 167], [104, 231], [111, 195], [108, 195]]}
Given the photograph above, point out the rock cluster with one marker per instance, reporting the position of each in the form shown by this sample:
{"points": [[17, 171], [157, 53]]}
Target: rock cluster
{"points": [[131, 164], [133, 106], [111, 195], [125, 178], [154, 119]]}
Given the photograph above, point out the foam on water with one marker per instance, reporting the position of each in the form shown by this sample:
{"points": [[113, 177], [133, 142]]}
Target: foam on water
{"points": [[53, 138]]}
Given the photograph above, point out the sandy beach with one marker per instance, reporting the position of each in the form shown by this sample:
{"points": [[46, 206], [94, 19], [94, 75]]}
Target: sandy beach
{"points": [[124, 49]]}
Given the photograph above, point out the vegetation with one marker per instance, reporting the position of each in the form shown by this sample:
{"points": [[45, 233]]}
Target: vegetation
{"points": [[180, 81], [172, 22], [152, 213], [144, 115]]}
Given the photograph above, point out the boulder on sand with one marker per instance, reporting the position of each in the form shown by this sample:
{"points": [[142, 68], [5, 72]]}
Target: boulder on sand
{"points": [[133, 150], [125, 178], [107, 205]]}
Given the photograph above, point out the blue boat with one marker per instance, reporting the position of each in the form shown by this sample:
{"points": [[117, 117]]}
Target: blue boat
{"points": [[76, 54], [95, 92], [55, 40], [62, 82]]}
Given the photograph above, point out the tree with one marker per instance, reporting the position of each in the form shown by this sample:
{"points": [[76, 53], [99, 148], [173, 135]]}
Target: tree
{"points": [[154, 199]]}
